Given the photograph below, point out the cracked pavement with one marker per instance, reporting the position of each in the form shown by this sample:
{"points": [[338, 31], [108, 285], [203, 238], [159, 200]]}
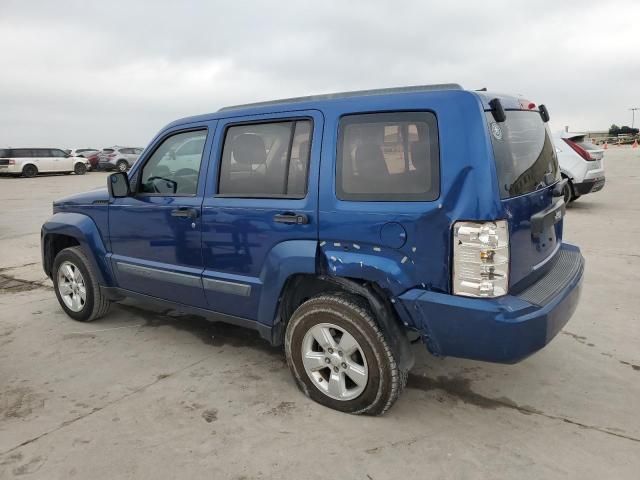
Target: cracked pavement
{"points": [[152, 394]]}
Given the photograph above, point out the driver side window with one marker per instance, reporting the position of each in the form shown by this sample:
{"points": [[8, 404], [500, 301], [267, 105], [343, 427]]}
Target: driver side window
{"points": [[174, 167]]}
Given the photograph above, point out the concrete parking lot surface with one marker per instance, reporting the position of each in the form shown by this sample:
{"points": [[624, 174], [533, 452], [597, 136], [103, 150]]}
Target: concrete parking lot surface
{"points": [[151, 395]]}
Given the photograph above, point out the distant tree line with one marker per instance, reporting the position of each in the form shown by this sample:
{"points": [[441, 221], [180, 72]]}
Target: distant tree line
{"points": [[615, 130]]}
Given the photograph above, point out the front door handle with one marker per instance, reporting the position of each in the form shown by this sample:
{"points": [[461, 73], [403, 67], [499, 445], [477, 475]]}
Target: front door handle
{"points": [[185, 212], [291, 218]]}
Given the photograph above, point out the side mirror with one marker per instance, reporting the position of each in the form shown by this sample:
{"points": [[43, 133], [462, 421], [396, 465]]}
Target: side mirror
{"points": [[118, 185]]}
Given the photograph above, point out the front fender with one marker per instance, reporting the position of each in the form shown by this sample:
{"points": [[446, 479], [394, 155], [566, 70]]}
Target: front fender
{"points": [[84, 230]]}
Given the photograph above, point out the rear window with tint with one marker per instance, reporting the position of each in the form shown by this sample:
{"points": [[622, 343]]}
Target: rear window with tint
{"points": [[4, 152], [388, 157], [23, 153], [107, 150], [523, 152]]}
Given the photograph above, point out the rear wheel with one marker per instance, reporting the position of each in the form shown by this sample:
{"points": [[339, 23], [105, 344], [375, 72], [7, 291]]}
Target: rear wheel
{"points": [[340, 358], [80, 169], [568, 192], [29, 171], [76, 286], [122, 165]]}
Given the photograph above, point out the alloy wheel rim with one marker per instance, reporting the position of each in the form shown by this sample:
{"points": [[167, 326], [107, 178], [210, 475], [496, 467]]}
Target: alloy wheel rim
{"points": [[334, 361], [71, 286]]}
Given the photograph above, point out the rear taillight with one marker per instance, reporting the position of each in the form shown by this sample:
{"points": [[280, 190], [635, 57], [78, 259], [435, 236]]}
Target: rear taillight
{"points": [[111, 155], [8, 161], [579, 150], [481, 258]]}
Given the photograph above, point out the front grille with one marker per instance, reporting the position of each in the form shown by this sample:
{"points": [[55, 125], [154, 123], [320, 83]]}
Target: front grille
{"points": [[567, 265]]}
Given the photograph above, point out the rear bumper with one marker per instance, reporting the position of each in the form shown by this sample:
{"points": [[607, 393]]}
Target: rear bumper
{"points": [[10, 169], [589, 186], [505, 329]]}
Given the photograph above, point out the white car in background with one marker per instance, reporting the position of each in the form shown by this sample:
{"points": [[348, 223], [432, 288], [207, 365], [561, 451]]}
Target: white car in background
{"points": [[581, 162], [29, 162]]}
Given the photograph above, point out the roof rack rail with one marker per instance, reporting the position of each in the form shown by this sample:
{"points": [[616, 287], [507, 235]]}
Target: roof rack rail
{"points": [[356, 93]]}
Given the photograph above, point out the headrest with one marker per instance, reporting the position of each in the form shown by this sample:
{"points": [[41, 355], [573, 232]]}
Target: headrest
{"points": [[248, 148], [370, 161]]}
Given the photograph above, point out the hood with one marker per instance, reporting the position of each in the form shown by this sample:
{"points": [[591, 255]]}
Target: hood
{"points": [[85, 198]]}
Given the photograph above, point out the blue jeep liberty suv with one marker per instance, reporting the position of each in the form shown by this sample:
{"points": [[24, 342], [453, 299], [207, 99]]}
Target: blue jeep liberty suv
{"points": [[342, 226]]}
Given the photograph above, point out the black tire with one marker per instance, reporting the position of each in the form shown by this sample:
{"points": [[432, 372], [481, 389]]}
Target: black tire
{"points": [[567, 192], [80, 169], [96, 305], [122, 166], [385, 380], [29, 171]]}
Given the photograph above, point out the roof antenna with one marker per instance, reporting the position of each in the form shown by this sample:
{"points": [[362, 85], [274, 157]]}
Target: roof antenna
{"points": [[483, 89]]}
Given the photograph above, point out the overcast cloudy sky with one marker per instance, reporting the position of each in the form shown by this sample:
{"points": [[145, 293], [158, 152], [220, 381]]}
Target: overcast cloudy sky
{"points": [[80, 73]]}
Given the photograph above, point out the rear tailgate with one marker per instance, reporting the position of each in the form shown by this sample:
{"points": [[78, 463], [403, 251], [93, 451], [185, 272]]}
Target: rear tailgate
{"points": [[527, 169]]}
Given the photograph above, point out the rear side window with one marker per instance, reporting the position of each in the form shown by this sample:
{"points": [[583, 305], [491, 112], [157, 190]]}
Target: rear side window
{"points": [[5, 152], [388, 157], [266, 160], [23, 153], [107, 150], [523, 152]]}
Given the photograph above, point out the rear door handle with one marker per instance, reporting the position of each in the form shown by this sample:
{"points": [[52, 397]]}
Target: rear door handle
{"points": [[291, 218], [185, 212]]}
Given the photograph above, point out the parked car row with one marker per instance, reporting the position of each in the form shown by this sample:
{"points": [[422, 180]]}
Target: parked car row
{"points": [[29, 162]]}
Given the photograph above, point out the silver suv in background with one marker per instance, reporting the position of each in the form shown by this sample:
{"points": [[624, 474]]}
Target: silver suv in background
{"points": [[82, 152], [119, 158]]}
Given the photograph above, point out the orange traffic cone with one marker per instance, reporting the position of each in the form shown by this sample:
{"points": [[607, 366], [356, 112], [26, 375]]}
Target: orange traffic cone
{"points": [[635, 143], [606, 145]]}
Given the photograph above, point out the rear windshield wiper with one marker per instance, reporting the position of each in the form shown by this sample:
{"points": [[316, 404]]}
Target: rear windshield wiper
{"points": [[497, 110]]}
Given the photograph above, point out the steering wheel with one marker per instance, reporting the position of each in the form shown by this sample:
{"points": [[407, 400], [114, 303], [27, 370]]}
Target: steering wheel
{"points": [[170, 183]]}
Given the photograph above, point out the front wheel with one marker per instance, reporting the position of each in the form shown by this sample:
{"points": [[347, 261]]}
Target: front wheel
{"points": [[122, 165], [340, 358], [76, 286], [80, 169]]}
